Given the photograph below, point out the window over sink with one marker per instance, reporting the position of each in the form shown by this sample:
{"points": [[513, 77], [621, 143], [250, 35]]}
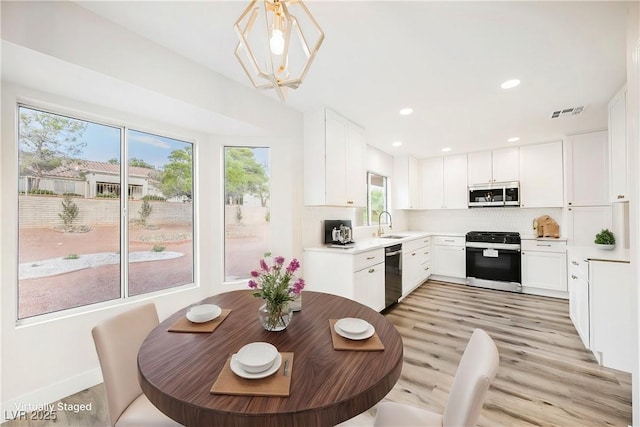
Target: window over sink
{"points": [[377, 199]]}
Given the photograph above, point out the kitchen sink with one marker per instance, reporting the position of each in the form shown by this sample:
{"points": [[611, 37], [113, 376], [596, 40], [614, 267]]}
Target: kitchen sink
{"points": [[392, 237]]}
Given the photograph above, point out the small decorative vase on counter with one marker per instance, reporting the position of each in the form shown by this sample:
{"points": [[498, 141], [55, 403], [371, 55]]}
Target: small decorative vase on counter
{"points": [[605, 247], [275, 317]]}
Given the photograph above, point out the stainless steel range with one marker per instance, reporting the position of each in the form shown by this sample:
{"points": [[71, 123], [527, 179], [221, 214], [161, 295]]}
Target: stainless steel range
{"points": [[493, 260]]}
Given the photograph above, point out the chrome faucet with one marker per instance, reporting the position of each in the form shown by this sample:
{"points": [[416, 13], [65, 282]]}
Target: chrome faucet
{"points": [[380, 231]]}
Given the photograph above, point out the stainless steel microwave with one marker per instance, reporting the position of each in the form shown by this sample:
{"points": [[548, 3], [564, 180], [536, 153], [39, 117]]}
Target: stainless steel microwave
{"points": [[494, 194]]}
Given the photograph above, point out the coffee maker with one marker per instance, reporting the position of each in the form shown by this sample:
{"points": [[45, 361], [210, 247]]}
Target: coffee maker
{"points": [[338, 232]]}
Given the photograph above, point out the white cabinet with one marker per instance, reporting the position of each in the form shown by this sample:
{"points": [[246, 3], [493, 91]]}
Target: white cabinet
{"points": [[493, 166], [368, 286], [578, 284], [587, 169], [544, 267], [334, 156], [432, 182], [444, 182], [359, 277], [455, 182], [612, 324], [618, 149], [541, 183], [355, 169], [406, 175], [416, 263], [449, 256]]}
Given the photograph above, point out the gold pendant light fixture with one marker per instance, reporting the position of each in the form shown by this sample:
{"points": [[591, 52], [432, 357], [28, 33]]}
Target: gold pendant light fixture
{"points": [[279, 40]]}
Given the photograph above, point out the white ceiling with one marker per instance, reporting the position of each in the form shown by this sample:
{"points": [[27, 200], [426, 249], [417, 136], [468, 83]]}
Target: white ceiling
{"points": [[446, 60]]}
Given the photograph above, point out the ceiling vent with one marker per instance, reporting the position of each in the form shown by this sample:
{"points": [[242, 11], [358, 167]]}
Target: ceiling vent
{"points": [[567, 112]]}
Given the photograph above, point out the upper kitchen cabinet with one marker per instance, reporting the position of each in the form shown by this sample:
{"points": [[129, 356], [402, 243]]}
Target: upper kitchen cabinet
{"points": [[444, 182], [334, 160], [587, 169], [493, 166], [406, 174], [541, 183], [618, 150], [432, 182], [455, 182]]}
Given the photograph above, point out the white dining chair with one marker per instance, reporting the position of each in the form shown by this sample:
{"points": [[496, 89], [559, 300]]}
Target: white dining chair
{"points": [[476, 370], [117, 342]]}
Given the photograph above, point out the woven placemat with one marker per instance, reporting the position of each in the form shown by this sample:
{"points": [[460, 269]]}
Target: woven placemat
{"points": [[340, 343], [278, 384], [185, 325]]}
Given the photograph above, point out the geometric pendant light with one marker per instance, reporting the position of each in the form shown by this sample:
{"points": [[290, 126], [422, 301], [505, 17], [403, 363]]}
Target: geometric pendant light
{"points": [[279, 40]]}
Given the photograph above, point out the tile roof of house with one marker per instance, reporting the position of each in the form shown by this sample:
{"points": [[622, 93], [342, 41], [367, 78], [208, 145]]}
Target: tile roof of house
{"points": [[74, 171]]}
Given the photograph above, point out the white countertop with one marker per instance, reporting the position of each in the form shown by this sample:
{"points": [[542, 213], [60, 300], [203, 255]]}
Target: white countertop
{"points": [[593, 253], [533, 237], [364, 245]]}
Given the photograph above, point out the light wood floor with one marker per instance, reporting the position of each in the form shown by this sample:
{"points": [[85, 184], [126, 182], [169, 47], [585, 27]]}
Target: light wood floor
{"points": [[545, 378]]}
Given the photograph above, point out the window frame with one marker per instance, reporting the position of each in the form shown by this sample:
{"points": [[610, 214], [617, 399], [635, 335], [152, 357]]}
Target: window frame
{"points": [[124, 211], [241, 281], [385, 206]]}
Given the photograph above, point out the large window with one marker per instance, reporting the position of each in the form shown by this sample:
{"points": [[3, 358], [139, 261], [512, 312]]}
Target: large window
{"points": [[376, 199], [247, 213], [71, 226]]}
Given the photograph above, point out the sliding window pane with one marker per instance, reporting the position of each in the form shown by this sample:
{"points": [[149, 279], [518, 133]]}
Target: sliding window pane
{"points": [[376, 198], [68, 212], [247, 212], [160, 192]]}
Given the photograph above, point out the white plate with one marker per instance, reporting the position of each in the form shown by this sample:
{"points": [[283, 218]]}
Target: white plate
{"points": [[237, 369], [256, 356], [363, 336], [204, 313], [352, 325]]}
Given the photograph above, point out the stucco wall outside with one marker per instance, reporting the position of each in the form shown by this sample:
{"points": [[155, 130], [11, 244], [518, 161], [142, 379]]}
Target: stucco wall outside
{"points": [[42, 211]]}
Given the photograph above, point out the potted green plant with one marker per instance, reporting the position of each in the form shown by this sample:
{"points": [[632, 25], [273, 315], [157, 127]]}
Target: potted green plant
{"points": [[605, 239]]}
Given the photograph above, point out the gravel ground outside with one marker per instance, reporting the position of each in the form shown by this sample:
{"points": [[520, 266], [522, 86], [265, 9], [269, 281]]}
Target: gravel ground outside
{"points": [[97, 278]]}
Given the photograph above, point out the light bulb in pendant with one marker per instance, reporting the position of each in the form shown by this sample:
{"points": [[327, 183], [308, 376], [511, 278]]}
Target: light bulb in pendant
{"points": [[276, 43]]}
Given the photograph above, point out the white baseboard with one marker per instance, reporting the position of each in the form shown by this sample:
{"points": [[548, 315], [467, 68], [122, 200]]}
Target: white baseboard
{"points": [[53, 392]]}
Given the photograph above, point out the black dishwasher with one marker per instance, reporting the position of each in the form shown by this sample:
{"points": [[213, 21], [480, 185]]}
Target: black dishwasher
{"points": [[392, 274]]}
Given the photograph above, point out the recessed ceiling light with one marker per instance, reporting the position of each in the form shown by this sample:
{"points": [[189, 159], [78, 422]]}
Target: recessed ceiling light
{"points": [[396, 143], [446, 149], [510, 84], [514, 139], [406, 111]]}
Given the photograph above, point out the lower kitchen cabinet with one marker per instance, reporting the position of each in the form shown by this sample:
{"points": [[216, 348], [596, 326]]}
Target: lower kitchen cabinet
{"points": [[600, 307], [611, 314], [368, 286], [544, 268], [416, 263], [578, 284], [449, 257], [359, 277]]}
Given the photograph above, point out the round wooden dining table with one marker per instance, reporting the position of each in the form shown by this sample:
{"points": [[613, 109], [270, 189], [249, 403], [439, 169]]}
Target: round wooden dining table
{"points": [[177, 370]]}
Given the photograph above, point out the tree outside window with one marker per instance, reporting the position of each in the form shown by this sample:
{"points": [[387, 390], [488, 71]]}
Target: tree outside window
{"points": [[247, 209]]}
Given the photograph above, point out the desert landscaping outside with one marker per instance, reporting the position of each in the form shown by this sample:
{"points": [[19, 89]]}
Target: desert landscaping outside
{"points": [[102, 282], [245, 242]]}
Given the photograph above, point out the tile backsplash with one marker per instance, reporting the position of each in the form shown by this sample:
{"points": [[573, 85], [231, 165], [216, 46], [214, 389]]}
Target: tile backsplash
{"points": [[448, 220], [481, 219]]}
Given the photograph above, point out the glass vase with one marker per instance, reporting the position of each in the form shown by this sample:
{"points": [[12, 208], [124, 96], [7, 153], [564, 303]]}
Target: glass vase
{"points": [[275, 317]]}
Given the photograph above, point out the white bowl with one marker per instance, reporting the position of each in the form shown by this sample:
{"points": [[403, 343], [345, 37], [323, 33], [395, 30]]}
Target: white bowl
{"points": [[257, 356], [203, 313], [353, 325]]}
